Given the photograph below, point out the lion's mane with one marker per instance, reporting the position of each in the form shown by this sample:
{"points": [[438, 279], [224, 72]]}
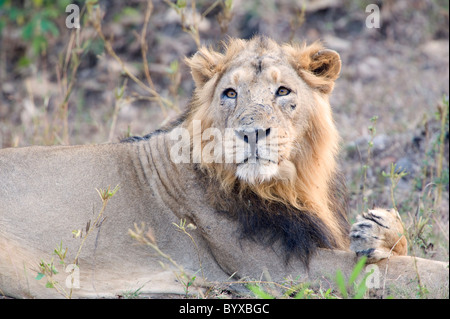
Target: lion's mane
{"points": [[305, 211]]}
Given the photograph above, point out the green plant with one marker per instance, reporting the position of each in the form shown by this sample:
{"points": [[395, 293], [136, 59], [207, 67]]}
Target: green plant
{"points": [[288, 290], [95, 17], [372, 131], [51, 124], [120, 100], [442, 177], [351, 285], [426, 230], [48, 269], [147, 238], [434, 172], [182, 227], [395, 176], [297, 20], [192, 27], [132, 294], [187, 281], [36, 19], [259, 292]]}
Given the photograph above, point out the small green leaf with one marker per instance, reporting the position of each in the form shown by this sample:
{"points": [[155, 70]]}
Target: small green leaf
{"points": [[39, 44], [49, 285], [362, 288], [302, 293], [191, 281], [327, 293], [181, 4], [2, 24], [38, 3], [49, 26], [357, 270], [259, 292], [173, 68], [76, 233], [340, 281], [23, 62], [228, 4], [119, 92], [28, 30], [39, 276], [130, 11]]}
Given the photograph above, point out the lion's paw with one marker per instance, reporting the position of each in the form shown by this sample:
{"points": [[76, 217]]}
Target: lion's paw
{"points": [[378, 234]]}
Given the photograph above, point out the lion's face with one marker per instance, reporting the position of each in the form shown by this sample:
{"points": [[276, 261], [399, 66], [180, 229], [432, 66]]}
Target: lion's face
{"points": [[263, 101], [263, 98]]}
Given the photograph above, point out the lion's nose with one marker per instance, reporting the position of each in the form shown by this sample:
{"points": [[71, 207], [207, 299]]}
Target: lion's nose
{"points": [[252, 136]]}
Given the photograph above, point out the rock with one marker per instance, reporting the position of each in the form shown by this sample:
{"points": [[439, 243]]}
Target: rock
{"points": [[380, 143], [371, 68], [436, 49], [336, 43], [316, 5]]}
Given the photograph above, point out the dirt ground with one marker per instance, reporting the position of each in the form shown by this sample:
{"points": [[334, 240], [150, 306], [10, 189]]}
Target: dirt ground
{"points": [[398, 72]]}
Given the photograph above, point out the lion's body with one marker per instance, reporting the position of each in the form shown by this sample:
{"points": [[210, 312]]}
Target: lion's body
{"points": [[271, 215], [52, 205]]}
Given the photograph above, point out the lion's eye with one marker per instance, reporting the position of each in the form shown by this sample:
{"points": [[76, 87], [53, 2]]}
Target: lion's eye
{"points": [[230, 93], [282, 91]]}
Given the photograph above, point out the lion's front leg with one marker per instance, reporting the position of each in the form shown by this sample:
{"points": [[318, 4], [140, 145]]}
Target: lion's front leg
{"points": [[378, 234]]}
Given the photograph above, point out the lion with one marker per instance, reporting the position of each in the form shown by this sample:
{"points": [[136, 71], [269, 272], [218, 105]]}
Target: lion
{"points": [[250, 166]]}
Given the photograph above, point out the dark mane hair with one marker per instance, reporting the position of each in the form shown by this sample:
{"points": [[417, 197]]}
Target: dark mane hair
{"points": [[300, 233], [174, 123]]}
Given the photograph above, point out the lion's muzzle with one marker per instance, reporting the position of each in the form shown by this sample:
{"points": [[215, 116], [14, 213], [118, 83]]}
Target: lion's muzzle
{"points": [[255, 145], [256, 153]]}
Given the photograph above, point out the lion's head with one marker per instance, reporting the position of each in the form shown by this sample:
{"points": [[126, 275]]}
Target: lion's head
{"points": [[269, 103]]}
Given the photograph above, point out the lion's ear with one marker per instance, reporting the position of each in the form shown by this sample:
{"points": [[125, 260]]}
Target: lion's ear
{"points": [[204, 64], [326, 63], [319, 67]]}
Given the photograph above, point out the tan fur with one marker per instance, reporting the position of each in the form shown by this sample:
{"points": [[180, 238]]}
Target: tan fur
{"points": [[312, 163], [379, 234], [48, 192]]}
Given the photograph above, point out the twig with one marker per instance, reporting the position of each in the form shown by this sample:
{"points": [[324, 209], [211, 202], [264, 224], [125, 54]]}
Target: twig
{"points": [[117, 106], [297, 21], [148, 13], [372, 130], [143, 42], [149, 240], [182, 228], [443, 113], [108, 46], [105, 195]]}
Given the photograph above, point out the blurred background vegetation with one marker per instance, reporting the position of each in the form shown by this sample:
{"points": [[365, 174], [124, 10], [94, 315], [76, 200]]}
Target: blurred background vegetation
{"points": [[122, 73]]}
